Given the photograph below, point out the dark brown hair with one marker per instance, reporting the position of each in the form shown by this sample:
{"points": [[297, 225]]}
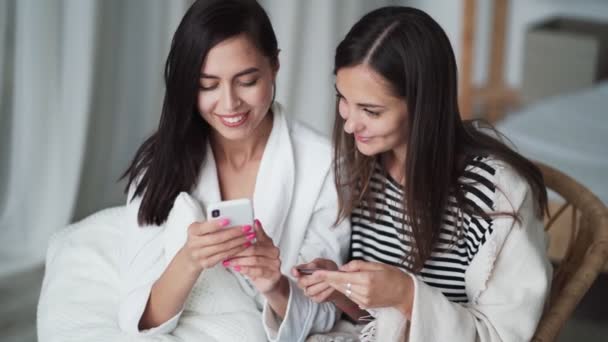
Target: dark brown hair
{"points": [[170, 160], [413, 53]]}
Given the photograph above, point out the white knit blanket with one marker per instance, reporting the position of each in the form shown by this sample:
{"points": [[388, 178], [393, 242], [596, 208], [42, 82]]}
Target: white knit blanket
{"points": [[218, 310]]}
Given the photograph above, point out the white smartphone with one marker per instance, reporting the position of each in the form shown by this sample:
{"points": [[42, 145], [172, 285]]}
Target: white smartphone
{"points": [[239, 212]]}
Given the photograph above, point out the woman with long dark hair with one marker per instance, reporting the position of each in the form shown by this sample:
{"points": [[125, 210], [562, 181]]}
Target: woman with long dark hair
{"points": [[447, 220], [222, 137]]}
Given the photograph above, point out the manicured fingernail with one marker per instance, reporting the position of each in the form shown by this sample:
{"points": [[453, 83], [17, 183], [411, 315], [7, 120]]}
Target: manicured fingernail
{"points": [[251, 236], [246, 229], [226, 263], [247, 244], [224, 222], [237, 268], [257, 223]]}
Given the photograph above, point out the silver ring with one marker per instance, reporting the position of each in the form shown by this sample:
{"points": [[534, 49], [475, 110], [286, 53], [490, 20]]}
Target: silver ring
{"points": [[348, 289]]}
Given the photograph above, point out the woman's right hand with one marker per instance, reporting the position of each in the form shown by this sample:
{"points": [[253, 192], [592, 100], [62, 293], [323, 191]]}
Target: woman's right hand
{"points": [[211, 242], [207, 244], [314, 287], [319, 290]]}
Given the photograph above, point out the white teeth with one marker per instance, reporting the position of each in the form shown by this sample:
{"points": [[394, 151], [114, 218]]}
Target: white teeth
{"points": [[234, 120]]}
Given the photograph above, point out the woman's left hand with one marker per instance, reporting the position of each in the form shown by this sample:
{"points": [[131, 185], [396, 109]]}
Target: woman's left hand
{"points": [[260, 262], [373, 285]]}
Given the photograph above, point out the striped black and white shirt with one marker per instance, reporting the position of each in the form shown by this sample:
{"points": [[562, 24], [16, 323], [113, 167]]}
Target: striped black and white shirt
{"points": [[383, 238]]}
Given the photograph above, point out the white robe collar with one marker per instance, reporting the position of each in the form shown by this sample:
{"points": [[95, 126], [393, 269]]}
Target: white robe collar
{"points": [[274, 183]]}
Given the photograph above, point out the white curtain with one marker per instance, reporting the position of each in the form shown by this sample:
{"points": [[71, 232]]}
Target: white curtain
{"points": [[51, 90], [81, 87]]}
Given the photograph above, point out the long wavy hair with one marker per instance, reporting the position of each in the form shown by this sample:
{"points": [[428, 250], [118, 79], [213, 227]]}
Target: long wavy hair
{"points": [[170, 160], [413, 53]]}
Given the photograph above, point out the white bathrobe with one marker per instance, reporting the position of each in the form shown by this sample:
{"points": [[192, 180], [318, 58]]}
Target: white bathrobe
{"points": [[294, 199], [506, 283]]}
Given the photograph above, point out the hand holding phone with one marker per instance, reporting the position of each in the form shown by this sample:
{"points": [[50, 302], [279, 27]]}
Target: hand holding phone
{"points": [[313, 286], [226, 243]]}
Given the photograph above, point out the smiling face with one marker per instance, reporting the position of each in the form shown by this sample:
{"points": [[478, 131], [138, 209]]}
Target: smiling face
{"points": [[236, 88], [372, 113]]}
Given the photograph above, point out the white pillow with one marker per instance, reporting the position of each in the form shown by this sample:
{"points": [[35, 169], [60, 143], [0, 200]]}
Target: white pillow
{"points": [[79, 296]]}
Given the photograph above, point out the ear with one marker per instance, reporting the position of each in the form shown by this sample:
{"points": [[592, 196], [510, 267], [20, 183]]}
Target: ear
{"points": [[276, 66]]}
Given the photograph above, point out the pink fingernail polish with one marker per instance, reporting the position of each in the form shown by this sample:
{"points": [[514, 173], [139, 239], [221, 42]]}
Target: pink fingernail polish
{"points": [[237, 268], [257, 223], [246, 229], [226, 263], [251, 236], [247, 244], [224, 222]]}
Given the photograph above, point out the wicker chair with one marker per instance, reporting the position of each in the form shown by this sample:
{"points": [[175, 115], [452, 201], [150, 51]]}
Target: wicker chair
{"points": [[584, 257]]}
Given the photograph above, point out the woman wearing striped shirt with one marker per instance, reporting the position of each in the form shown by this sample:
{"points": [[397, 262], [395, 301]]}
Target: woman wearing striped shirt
{"points": [[447, 220]]}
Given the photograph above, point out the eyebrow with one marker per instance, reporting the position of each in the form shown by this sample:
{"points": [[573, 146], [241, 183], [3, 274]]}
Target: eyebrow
{"points": [[242, 73], [360, 104]]}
